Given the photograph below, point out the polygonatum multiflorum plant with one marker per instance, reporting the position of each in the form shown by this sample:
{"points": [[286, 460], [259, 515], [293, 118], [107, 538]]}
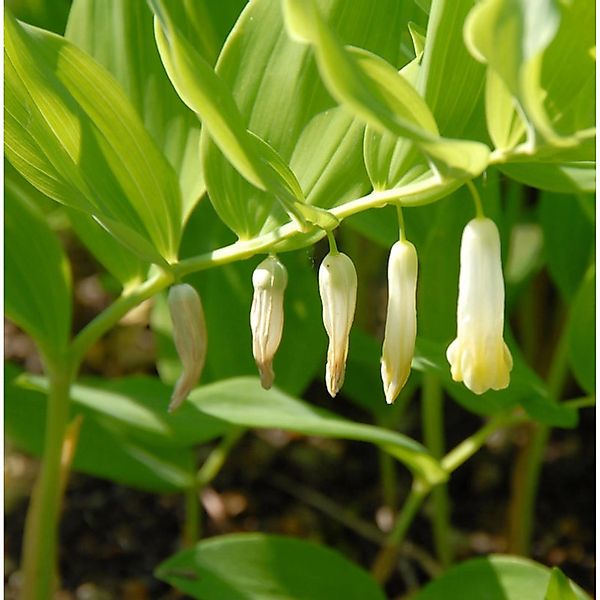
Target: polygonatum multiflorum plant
{"points": [[200, 151]]}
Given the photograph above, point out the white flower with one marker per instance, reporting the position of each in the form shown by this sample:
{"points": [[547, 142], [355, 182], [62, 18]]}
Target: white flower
{"points": [[401, 321], [189, 335], [478, 356], [337, 286], [266, 315]]}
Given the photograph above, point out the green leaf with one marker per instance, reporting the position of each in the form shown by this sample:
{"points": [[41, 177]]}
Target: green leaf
{"points": [[241, 401], [543, 53], [206, 93], [137, 408], [247, 566], [378, 95], [288, 106], [562, 178], [494, 577], [582, 334], [559, 587], [450, 80], [125, 459], [73, 134], [36, 275], [125, 266], [568, 241], [120, 36]]}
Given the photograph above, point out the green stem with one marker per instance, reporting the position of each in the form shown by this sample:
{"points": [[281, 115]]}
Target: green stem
{"points": [[401, 225], [433, 433], [41, 527], [332, 244], [191, 527], [526, 475], [389, 481], [212, 465], [469, 446], [107, 319], [386, 558], [476, 199]]}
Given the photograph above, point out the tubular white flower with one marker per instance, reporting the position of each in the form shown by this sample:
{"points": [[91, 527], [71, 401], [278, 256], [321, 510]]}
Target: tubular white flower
{"points": [[401, 321], [337, 286], [478, 356], [189, 335], [266, 315]]}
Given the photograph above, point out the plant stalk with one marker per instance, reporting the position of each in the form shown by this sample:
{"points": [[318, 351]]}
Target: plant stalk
{"points": [[433, 433], [386, 558], [40, 545], [526, 474]]}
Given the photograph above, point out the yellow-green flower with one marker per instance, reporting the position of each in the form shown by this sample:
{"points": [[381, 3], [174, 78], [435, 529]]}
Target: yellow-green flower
{"points": [[478, 356], [401, 321]]}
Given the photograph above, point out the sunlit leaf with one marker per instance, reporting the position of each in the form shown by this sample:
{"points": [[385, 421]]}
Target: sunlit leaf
{"points": [[72, 133]]}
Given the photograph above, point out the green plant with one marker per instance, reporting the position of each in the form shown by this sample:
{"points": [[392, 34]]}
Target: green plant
{"points": [[304, 123]]}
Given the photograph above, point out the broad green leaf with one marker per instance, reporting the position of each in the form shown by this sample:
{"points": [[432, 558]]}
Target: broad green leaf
{"points": [[450, 80], [542, 52], [136, 407], [122, 264], [494, 577], [207, 94], [582, 334], [562, 178], [287, 105], [252, 566], [379, 96], [241, 401], [568, 241], [36, 275], [120, 36], [559, 587], [73, 134], [124, 459]]}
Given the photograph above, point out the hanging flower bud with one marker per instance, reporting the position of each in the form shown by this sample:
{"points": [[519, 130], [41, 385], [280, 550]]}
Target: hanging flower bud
{"points": [[266, 316], [478, 356], [401, 321], [189, 333], [337, 286]]}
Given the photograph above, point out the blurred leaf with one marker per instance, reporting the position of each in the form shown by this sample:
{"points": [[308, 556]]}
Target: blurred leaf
{"points": [[47, 15], [494, 577], [268, 567], [120, 36], [36, 275], [72, 133], [559, 587], [568, 241], [136, 407], [562, 178], [241, 401], [582, 334], [125, 460]]}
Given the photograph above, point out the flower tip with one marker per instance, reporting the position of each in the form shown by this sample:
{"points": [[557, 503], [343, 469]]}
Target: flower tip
{"points": [[267, 375]]}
